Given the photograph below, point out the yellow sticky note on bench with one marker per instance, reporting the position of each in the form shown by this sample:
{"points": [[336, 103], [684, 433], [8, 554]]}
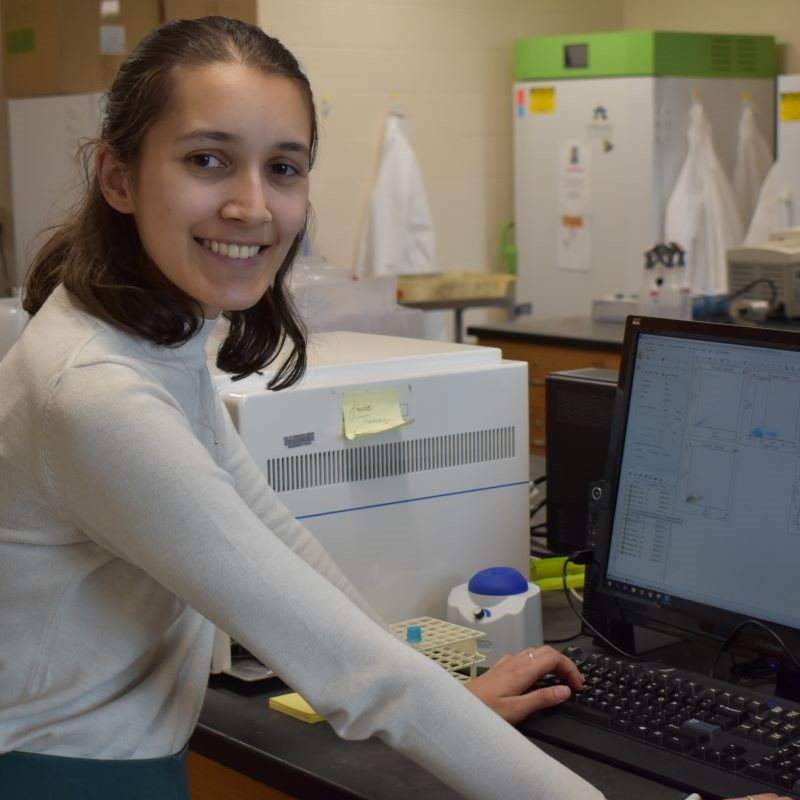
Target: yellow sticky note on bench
{"points": [[370, 412], [295, 706]]}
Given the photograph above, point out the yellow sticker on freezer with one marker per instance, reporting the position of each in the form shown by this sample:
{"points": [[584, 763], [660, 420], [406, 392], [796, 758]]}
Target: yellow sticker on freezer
{"points": [[542, 100]]}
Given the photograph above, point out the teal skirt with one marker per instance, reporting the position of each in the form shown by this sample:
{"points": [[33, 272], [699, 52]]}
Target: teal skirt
{"points": [[31, 776]]}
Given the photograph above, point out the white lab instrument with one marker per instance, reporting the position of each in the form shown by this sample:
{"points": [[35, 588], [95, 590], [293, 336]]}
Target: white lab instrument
{"points": [[505, 607], [599, 134], [44, 133], [12, 320], [406, 513], [771, 270]]}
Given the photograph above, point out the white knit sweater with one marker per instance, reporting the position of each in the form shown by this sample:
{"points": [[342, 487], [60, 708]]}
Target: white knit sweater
{"points": [[132, 520]]}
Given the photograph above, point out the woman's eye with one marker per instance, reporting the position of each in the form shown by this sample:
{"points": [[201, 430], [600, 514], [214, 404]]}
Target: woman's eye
{"points": [[205, 161], [284, 170]]}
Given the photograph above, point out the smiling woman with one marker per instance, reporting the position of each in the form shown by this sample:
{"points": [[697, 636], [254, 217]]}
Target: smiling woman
{"points": [[133, 520], [190, 102]]}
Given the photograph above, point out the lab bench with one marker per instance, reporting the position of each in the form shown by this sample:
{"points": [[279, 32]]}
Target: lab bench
{"points": [[548, 345]]}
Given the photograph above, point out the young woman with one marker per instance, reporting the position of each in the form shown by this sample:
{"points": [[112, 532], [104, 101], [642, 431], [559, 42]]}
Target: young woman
{"points": [[132, 520]]}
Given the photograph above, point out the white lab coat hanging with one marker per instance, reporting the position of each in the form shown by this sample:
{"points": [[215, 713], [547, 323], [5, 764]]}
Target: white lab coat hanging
{"points": [[753, 161], [397, 236], [776, 208], [702, 214]]}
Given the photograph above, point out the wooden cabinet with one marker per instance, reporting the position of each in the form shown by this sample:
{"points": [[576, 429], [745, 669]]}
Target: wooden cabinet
{"points": [[544, 358], [209, 780]]}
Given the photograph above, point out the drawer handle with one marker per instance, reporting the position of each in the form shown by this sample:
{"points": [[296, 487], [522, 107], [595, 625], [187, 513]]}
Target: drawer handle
{"points": [[538, 442], [536, 382]]}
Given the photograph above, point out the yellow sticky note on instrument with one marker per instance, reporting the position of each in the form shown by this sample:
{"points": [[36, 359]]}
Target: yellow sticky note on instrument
{"points": [[370, 412], [295, 706], [789, 105]]}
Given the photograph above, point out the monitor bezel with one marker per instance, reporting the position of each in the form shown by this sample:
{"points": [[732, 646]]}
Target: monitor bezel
{"points": [[682, 618]]}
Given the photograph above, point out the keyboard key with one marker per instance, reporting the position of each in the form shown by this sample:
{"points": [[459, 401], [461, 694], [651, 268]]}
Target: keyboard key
{"points": [[786, 780], [678, 743], [758, 734], [776, 739], [698, 730], [733, 763], [620, 725], [729, 711], [723, 721], [639, 730], [656, 737]]}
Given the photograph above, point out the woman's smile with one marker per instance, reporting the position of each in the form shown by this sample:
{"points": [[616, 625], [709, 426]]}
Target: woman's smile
{"points": [[232, 250]]}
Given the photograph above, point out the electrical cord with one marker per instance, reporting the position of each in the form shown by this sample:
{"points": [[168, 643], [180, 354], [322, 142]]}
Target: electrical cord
{"points": [[735, 632], [537, 507], [539, 526], [773, 301], [586, 557]]}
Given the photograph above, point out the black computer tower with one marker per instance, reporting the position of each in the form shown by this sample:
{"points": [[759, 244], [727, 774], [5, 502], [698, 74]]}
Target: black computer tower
{"points": [[580, 405]]}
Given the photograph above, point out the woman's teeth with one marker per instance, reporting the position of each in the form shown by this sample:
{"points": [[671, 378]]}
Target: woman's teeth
{"points": [[231, 250]]}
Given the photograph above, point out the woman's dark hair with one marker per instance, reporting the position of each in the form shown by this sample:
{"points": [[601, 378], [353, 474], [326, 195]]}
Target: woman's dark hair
{"points": [[97, 253]]}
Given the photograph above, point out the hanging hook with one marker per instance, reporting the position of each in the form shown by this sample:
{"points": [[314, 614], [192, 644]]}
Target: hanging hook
{"points": [[395, 109]]}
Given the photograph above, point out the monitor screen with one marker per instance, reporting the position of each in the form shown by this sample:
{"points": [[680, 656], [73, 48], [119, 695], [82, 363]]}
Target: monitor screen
{"points": [[703, 526]]}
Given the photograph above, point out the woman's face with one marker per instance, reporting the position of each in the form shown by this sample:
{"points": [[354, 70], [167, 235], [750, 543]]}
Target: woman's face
{"points": [[221, 188]]}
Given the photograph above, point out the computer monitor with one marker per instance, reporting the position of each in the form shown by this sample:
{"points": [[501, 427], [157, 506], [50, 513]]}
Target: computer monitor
{"points": [[702, 527]]}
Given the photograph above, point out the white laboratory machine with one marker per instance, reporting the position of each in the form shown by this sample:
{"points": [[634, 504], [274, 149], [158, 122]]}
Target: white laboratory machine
{"points": [[13, 319], [504, 606], [409, 512], [768, 273], [44, 134], [599, 131]]}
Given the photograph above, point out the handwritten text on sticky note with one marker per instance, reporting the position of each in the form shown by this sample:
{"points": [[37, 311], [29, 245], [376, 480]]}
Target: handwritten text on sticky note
{"points": [[370, 412]]}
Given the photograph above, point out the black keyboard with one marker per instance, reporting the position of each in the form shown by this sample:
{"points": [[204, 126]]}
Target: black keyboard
{"points": [[680, 728]]}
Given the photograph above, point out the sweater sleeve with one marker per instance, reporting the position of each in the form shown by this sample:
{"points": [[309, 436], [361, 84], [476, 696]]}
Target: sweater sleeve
{"points": [[252, 487], [133, 476]]}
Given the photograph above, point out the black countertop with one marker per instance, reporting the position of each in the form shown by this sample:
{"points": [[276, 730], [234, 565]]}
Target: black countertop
{"points": [[238, 729], [563, 331], [578, 331], [308, 761]]}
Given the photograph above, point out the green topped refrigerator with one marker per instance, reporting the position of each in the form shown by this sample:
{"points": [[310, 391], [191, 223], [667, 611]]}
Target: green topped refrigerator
{"points": [[600, 134]]}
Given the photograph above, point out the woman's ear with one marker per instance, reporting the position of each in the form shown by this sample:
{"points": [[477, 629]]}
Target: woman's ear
{"points": [[114, 180]]}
